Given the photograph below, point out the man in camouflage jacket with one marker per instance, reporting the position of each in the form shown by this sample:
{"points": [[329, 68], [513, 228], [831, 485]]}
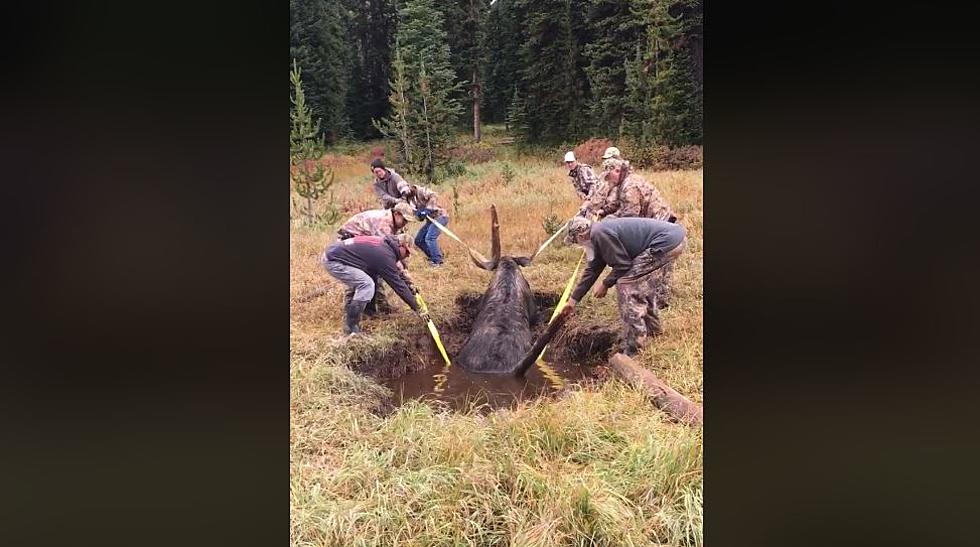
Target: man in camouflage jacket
{"points": [[426, 203], [379, 222], [621, 193], [583, 178]]}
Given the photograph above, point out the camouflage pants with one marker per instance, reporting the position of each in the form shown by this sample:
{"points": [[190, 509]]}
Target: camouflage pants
{"points": [[638, 292]]}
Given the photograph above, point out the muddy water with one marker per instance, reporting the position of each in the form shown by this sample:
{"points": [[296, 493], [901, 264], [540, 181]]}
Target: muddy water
{"points": [[459, 389]]}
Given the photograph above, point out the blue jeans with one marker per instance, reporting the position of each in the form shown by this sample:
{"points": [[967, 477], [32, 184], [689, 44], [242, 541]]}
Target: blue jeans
{"points": [[425, 239]]}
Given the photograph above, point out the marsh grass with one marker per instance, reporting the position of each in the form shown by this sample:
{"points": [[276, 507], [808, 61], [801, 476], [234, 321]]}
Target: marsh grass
{"points": [[597, 466]]}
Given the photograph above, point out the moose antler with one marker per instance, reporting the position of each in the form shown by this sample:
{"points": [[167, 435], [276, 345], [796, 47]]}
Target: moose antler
{"points": [[478, 259]]}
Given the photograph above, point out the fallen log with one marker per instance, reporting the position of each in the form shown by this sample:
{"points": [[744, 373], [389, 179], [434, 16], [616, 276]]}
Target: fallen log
{"points": [[663, 396]]}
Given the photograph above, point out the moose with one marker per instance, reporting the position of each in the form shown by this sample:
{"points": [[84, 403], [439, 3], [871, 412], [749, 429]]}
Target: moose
{"points": [[501, 335]]}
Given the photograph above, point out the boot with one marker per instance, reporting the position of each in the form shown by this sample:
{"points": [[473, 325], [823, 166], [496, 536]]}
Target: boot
{"points": [[352, 316]]}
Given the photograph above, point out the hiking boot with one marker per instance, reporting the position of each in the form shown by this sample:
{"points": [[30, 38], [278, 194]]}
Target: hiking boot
{"points": [[352, 316]]}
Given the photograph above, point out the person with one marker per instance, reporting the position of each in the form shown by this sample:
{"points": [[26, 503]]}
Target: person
{"points": [[623, 193], [378, 222], [389, 186], [583, 178], [635, 248], [358, 261], [426, 204]]}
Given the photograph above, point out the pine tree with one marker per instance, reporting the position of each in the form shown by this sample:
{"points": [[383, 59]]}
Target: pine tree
{"points": [[550, 73], [617, 32], [424, 120], [501, 44], [673, 92], [464, 30], [371, 28], [316, 41], [310, 177], [518, 119], [396, 126]]}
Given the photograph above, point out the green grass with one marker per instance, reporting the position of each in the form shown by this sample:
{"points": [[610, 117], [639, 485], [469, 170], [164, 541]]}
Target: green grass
{"points": [[597, 466]]}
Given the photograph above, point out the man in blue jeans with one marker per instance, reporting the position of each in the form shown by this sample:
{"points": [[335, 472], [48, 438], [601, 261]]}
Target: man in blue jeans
{"points": [[426, 203]]}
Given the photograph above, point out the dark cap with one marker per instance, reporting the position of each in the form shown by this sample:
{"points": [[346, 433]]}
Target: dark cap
{"points": [[377, 163]]}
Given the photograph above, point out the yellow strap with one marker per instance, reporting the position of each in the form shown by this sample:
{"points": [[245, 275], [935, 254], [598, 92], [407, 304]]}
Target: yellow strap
{"points": [[444, 229], [546, 370], [432, 328], [550, 239], [479, 256]]}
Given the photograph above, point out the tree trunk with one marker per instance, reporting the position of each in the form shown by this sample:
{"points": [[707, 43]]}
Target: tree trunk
{"points": [[663, 396], [476, 105]]}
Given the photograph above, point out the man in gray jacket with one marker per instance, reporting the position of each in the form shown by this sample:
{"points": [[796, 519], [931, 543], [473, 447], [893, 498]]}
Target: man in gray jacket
{"points": [[634, 248], [358, 261], [389, 186]]}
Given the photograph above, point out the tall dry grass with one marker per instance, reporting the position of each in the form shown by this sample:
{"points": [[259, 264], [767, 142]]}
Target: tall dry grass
{"points": [[599, 466]]}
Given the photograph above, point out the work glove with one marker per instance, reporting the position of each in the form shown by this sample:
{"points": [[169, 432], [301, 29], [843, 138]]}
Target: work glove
{"points": [[424, 316], [414, 289], [421, 213]]}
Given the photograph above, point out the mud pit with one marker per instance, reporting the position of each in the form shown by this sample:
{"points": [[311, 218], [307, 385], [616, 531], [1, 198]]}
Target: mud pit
{"points": [[413, 368]]}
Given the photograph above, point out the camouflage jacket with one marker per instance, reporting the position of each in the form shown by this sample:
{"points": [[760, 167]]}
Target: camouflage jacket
{"points": [[389, 189], [583, 180], [633, 198], [373, 222], [427, 199]]}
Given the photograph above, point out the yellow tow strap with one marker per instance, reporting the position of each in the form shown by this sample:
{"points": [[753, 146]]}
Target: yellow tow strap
{"points": [[550, 239], [545, 369], [454, 236], [432, 328]]}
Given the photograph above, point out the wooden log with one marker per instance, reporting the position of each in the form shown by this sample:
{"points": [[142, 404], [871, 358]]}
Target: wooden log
{"points": [[663, 396], [539, 345]]}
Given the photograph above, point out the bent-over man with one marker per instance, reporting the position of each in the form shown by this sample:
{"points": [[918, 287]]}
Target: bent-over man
{"points": [[635, 248], [378, 222], [358, 261]]}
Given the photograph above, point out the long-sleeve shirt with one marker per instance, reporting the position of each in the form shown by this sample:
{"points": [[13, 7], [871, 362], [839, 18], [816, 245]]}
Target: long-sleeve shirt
{"points": [[583, 180], [376, 256], [634, 197], [427, 199], [373, 222], [617, 241], [390, 188]]}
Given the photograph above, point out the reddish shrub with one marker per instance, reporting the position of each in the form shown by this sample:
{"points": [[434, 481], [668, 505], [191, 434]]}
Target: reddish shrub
{"points": [[660, 157], [590, 151]]}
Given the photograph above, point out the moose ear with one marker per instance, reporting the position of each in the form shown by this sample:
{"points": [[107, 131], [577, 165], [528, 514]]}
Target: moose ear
{"points": [[523, 260]]}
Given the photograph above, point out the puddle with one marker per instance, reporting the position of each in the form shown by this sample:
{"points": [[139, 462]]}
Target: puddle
{"points": [[458, 389], [413, 369]]}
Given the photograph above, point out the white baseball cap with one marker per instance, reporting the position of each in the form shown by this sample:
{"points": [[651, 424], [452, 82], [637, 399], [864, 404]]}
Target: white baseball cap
{"points": [[569, 156]]}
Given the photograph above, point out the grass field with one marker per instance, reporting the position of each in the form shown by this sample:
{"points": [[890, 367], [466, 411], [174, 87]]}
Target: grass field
{"points": [[598, 466]]}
